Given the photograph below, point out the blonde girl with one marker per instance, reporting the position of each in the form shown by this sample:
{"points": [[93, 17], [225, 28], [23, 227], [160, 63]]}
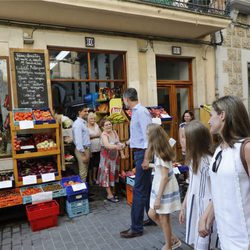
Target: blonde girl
{"points": [[165, 197]]}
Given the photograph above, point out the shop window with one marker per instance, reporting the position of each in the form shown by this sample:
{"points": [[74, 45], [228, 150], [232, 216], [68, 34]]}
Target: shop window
{"points": [[5, 146], [106, 66], [82, 76], [167, 69], [68, 64]]}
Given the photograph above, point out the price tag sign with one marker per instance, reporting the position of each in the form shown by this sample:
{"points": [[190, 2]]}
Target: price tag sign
{"points": [[29, 179], [5, 184], [26, 124], [78, 187], [176, 170], [41, 197], [48, 177]]}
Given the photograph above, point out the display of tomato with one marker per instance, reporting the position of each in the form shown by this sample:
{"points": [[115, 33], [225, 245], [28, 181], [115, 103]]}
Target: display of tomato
{"points": [[22, 116], [42, 115], [31, 190]]}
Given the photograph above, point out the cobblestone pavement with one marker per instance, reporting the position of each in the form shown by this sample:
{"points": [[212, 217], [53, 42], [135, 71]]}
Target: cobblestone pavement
{"points": [[97, 230]]}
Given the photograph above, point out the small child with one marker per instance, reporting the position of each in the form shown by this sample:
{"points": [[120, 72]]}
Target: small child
{"points": [[198, 157], [165, 197]]}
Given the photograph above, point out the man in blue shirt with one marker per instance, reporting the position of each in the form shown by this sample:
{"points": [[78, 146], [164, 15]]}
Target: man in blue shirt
{"points": [[138, 142], [82, 141]]}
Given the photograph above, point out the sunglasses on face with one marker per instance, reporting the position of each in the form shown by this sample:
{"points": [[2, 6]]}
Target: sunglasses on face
{"points": [[217, 162]]}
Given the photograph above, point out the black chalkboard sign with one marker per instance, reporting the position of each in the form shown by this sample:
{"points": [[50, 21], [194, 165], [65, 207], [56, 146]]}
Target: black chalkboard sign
{"points": [[31, 79]]}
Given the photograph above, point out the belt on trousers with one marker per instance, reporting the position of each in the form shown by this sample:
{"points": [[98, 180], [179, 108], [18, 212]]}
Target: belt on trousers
{"points": [[138, 149], [85, 147]]}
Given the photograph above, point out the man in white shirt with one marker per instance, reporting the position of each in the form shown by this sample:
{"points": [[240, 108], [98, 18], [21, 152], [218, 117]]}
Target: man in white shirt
{"points": [[82, 141]]}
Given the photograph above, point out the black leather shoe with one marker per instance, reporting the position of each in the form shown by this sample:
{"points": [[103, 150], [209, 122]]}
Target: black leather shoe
{"points": [[130, 234], [148, 223]]}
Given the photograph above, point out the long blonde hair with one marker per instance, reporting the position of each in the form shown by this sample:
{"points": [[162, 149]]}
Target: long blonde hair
{"points": [[198, 143], [158, 143]]}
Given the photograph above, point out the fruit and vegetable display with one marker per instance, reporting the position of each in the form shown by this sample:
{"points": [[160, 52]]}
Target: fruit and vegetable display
{"points": [[36, 167], [116, 118], [103, 107], [10, 197], [9, 193], [44, 142], [70, 183], [128, 112], [206, 107], [43, 115], [6, 176], [30, 143], [23, 116], [69, 157], [24, 142], [52, 187], [158, 112], [30, 191], [66, 122]]}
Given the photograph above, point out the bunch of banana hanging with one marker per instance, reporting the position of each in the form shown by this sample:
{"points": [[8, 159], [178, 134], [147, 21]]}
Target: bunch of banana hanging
{"points": [[116, 118], [206, 107]]}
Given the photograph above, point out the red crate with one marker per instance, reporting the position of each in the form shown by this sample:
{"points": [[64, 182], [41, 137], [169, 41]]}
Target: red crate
{"points": [[43, 223], [42, 215]]}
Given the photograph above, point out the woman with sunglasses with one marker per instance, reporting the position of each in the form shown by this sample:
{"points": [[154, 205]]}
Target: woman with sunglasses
{"points": [[230, 182]]}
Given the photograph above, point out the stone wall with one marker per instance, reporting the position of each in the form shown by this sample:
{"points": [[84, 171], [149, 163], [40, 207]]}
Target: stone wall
{"points": [[236, 38]]}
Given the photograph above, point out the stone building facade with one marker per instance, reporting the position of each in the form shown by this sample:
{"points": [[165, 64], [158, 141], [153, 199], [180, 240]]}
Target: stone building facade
{"points": [[233, 59]]}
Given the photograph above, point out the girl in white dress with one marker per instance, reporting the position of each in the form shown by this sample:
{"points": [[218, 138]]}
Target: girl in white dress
{"points": [[198, 157], [230, 181], [165, 197]]}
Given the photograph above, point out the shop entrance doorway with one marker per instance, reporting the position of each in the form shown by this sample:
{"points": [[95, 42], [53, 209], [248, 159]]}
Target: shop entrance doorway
{"points": [[174, 89]]}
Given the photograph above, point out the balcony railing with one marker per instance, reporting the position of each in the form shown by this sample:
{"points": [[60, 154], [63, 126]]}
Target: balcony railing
{"points": [[213, 7]]}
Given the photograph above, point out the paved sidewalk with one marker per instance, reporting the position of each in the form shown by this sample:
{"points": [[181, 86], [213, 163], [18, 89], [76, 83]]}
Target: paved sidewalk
{"points": [[98, 230]]}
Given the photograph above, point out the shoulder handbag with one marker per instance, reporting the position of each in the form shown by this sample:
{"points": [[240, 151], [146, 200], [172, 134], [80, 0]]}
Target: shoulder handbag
{"points": [[242, 154]]}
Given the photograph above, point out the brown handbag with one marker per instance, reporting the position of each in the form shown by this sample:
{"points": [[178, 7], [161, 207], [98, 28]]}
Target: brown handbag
{"points": [[242, 154]]}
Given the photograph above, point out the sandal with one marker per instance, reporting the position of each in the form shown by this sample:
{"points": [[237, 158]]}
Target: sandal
{"points": [[176, 243], [113, 199], [115, 196]]}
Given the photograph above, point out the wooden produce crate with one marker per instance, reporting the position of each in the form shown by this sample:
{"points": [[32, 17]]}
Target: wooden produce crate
{"points": [[122, 130], [10, 197], [125, 163], [129, 193]]}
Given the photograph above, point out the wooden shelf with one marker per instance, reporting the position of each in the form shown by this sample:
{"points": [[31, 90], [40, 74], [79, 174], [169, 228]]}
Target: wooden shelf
{"points": [[15, 130], [36, 154], [39, 181], [40, 126]]}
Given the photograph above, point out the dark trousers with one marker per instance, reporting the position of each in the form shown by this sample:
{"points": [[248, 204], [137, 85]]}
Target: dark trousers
{"points": [[141, 192]]}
